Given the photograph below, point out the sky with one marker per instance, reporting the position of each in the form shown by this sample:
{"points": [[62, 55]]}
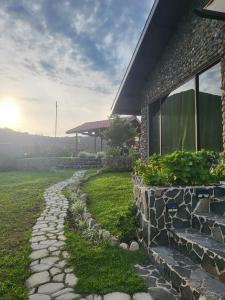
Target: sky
{"points": [[74, 52]]}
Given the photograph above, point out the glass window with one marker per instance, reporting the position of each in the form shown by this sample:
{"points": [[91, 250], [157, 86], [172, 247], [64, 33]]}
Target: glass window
{"points": [[178, 119], [210, 111]]}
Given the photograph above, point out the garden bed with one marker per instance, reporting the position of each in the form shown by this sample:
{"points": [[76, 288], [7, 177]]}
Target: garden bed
{"points": [[100, 267]]}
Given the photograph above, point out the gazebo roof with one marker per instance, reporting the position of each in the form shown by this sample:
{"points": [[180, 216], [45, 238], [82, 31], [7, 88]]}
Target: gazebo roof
{"points": [[97, 126]]}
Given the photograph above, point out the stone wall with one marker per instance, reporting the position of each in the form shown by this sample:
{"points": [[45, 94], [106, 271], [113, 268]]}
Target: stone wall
{"points": [[196, 44], [164, 208], [47, 163]]}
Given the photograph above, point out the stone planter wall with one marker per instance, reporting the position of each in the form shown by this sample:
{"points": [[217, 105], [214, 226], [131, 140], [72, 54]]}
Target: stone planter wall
{"points": [[163, 208]]}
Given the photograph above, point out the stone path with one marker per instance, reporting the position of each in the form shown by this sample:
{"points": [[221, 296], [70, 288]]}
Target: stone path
{"points": [[52, 278]]}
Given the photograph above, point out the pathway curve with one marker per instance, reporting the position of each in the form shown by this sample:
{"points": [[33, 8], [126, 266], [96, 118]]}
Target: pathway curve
{"points": [[52, 277]]}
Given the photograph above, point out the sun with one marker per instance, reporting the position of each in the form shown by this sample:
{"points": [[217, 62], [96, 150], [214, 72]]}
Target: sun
{"points": [[9, 113]]}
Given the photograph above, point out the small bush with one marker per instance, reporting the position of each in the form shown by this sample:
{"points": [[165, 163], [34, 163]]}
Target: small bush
{"points": [[118, 163], [101, 154], [128, 224], [77, 208], [179, 168], [84, 154], [219, 171]]}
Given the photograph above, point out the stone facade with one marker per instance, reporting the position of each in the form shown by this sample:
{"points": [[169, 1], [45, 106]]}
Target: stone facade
{"points": [[161, 209], [196, 44]]}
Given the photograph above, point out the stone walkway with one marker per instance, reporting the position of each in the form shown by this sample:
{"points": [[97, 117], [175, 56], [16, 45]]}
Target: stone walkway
{"points": [[51, 275]]}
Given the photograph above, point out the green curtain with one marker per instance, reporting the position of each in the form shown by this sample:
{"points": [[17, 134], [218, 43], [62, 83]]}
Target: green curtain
{"points": [[210, 121], [178, 122]]}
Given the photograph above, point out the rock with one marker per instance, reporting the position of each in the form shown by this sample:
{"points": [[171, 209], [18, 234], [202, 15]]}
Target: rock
{"points": [[58, 277], [71, 279], [117, 296], [134, 246], [37, 279], [64, 291], [124, 246], [51, 260], [39, 297], [68, 296], [113, 241], [55, 271], [50, 288], [142, 296], [39, 254], [40, 267], [160, 293]]}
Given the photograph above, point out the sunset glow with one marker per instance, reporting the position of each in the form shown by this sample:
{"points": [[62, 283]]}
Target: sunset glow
{"points": [[9, 113]]}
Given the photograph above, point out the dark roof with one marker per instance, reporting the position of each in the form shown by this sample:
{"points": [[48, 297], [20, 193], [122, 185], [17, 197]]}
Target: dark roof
{"points": [[97, 125], [160, 25]]}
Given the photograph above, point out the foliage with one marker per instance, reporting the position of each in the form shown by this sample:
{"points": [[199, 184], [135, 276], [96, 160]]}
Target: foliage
{"points": [[139, 168], [179, 168], [128, 224], [102, 269], [21, 203], [219, 171], [135, 154], [101, 154], [119, 132], [118, 163], [77, 208], [84, 154], [109, 197]]}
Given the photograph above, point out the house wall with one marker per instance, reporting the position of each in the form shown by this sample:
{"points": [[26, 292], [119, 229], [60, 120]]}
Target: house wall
{"points": [[196, 44]]}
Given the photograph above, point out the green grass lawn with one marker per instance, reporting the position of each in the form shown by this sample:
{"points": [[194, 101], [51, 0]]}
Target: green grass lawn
{"points": [[21, 202], [101, 268], [109, 196]]}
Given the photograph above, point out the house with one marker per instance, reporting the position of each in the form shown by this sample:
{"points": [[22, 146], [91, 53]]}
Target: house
{"points": [[96, 129], [176, 78]]}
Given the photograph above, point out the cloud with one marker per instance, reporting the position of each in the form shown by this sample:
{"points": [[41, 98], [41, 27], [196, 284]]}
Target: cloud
{"points": [[75, 51]]}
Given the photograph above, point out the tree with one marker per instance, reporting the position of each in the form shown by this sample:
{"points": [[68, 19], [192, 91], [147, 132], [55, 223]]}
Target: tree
{"points": [[119, 132]]}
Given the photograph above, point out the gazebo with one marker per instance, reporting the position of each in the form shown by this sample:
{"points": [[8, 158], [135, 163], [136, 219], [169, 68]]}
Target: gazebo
{"points": [[96, 129]]}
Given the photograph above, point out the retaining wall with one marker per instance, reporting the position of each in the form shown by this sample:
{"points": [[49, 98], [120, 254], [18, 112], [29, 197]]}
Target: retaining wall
{"points": [[42, 164]]}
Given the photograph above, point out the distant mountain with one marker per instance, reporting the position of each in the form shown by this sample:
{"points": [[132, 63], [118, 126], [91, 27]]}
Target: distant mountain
{"points": [[23, 144]]}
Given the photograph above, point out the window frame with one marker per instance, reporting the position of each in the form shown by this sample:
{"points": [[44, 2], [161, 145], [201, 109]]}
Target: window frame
{"points": [[197, 123]]}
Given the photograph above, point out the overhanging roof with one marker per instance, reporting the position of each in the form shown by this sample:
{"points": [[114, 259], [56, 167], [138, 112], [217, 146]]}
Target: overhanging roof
{"points": [[95, 127], [160, 25]]}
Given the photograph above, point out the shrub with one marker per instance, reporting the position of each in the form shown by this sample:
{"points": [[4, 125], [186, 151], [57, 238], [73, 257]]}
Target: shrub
{"points": [[128, 224], [179, 168], [135, 154], [77, 208], [101, 154], [84, 154], [219, 171], [118, 163]]}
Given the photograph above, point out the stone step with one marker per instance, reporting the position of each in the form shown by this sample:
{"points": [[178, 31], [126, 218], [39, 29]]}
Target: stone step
{"points": [[201, 249], [217, 206], [186, 276], [219, 191], [210, 224]]}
